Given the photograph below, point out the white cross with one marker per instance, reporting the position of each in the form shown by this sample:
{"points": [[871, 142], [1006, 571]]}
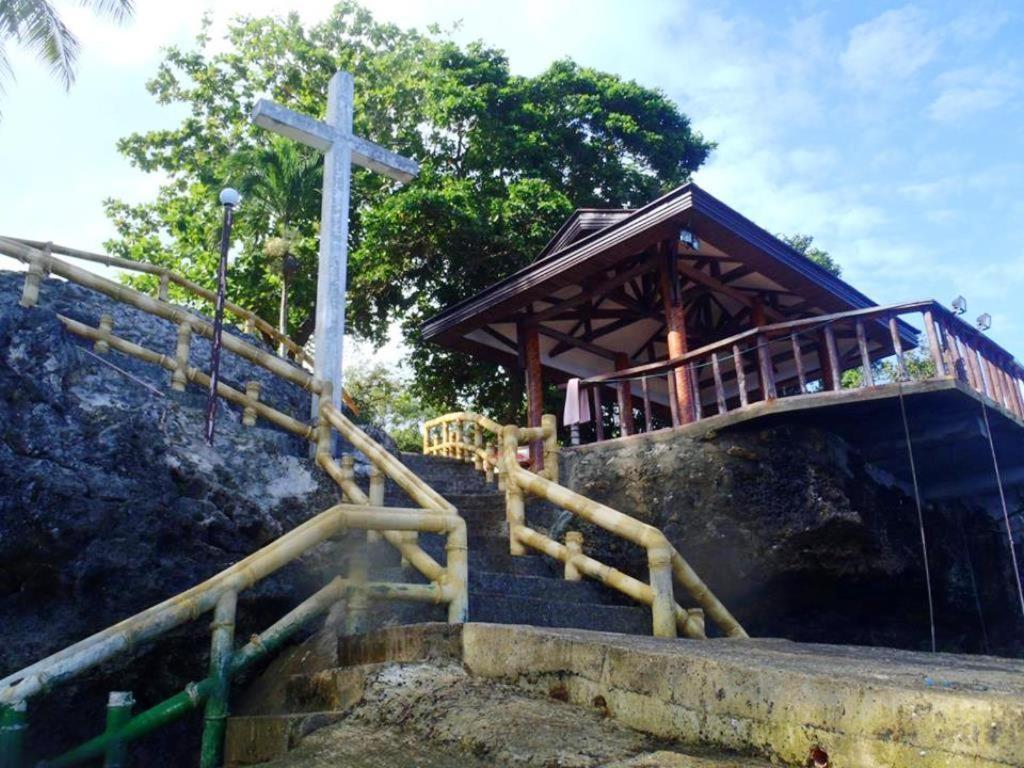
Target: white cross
{"points": [[341, 148]]}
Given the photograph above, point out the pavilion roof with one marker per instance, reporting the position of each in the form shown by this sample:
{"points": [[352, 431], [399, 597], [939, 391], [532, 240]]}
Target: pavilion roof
{"points": [[591, 291]]}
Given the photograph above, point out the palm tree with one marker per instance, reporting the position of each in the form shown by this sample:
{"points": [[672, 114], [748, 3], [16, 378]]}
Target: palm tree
{"points": [[37, 25]]}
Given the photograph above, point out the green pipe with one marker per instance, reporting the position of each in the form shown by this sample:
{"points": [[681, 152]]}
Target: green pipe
{"points": [[119, 712], [221, 645], [195, 694], [13, 722]]}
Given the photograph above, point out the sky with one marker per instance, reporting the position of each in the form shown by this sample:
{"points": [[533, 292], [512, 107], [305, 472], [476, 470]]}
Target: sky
{"points": [[890, 132]]}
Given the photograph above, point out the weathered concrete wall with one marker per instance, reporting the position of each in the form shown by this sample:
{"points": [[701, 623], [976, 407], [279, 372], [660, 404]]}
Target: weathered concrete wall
{"points": [[801, 539]]}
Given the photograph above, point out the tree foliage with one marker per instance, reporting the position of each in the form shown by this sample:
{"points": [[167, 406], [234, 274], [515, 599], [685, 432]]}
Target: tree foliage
{"points": [[384, 398], [504, 160], [804, 244]]}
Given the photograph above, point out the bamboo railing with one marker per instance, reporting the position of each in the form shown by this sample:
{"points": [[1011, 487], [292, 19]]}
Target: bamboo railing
{"points": [[809, 356], [363, 510], [494, 450], [251, 322]]}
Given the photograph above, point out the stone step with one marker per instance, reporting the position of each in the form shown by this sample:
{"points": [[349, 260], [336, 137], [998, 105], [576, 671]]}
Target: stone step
{"points": [[505, 609], [552, 589]]}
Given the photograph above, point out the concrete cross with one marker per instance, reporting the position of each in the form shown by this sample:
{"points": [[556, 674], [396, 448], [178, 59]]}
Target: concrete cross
{"points": [[341, 148]]}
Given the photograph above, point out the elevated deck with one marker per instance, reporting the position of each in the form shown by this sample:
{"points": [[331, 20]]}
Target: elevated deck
{"points": [[947, 425]]}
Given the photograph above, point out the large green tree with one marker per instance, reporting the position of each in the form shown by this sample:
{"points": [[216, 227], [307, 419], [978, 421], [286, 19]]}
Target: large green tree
{"points": [[504, 159]]}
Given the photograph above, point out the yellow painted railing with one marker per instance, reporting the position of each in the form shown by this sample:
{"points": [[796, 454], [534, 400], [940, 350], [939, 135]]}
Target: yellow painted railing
{"points": [[494, 450], [362, 510]]}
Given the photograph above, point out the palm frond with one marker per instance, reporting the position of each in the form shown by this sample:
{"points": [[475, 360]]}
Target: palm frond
{"points": [[43, 31], [118, 10]]}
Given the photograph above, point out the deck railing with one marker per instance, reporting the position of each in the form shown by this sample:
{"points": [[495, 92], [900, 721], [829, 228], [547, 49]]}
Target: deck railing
{"points": [[495, 451], [363, 510], [808, 356]]}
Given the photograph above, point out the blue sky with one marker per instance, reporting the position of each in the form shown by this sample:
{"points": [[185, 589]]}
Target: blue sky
{"points": [[891, 132]]}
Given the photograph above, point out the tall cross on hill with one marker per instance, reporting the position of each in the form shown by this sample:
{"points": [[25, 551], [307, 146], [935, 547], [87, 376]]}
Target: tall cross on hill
{"points": [[341, 148]]}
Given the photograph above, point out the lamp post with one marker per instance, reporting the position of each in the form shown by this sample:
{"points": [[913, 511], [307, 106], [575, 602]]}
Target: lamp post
{"points": [[229, 199]]}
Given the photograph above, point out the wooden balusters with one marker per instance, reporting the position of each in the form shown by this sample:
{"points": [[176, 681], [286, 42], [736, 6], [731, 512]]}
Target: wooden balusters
{"points": [[694, 378], [673, 400], [897, 345], [798, 360], [831, 363], [765, 368], [867, 379], [933, 343], [741, 375], [716, 369], [647, 404], [598, 414]]}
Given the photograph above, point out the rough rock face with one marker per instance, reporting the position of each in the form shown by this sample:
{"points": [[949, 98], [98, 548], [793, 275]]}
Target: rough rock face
{"points": [[110, 500], [799, 539]]}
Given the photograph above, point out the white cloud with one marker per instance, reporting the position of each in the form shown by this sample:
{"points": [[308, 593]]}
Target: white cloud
{"points": [[963, 93], [890, 47]]}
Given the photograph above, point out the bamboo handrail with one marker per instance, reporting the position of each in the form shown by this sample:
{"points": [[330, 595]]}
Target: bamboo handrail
{"points": [[297, 350]]}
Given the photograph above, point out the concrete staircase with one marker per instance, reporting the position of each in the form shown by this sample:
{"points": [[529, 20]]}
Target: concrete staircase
{"points": [[529, 589]]}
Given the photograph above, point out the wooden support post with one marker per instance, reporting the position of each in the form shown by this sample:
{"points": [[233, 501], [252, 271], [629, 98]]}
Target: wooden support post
{"points": [[625, 390], [221, 644], [741, 375], [534, 390], [573, 543], [647, 404], [101, 346], [716, 369], [663, 606], [598, 413], [675, 324], [897, 345], [798, 360], [252, 390], [970, 358], [933, 343], [956, 361], [163, 292], [179, 378], [119, 712], [766, 368], [833, 377], [693, 376], [515, 504], [865, 356]]}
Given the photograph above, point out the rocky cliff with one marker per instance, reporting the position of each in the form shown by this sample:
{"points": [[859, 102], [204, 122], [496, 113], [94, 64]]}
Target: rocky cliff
{"points": [[801, 539]]}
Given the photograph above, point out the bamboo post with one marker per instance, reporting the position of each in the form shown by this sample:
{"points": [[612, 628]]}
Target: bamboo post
{"points": [[221, 644], [179, 378], [355, 608], [515, 507], [549, 423], [457, 570], [478, 446], [489, 462], [446, 447], [324, 443], [250, 325], [573, 543], [13, 723], [163, 293], [376, 498], [426, 440], [101, 346], [119, 712], [33, 279], [663, 611], [252, 391]]}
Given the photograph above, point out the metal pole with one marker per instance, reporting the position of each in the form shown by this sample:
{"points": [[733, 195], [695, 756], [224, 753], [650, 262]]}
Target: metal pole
{"points": [[229, 199]]}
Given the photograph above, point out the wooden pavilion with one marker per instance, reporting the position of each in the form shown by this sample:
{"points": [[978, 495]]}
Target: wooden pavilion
{"points": [[616, 289]]}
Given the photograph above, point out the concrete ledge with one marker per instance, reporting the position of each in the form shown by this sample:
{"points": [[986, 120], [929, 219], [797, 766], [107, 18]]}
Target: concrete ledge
{"points": [[865, 707]]}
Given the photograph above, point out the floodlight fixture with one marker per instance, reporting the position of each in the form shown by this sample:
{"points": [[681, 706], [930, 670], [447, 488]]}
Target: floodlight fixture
{"points": [[984, 322], [960, 305]]}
